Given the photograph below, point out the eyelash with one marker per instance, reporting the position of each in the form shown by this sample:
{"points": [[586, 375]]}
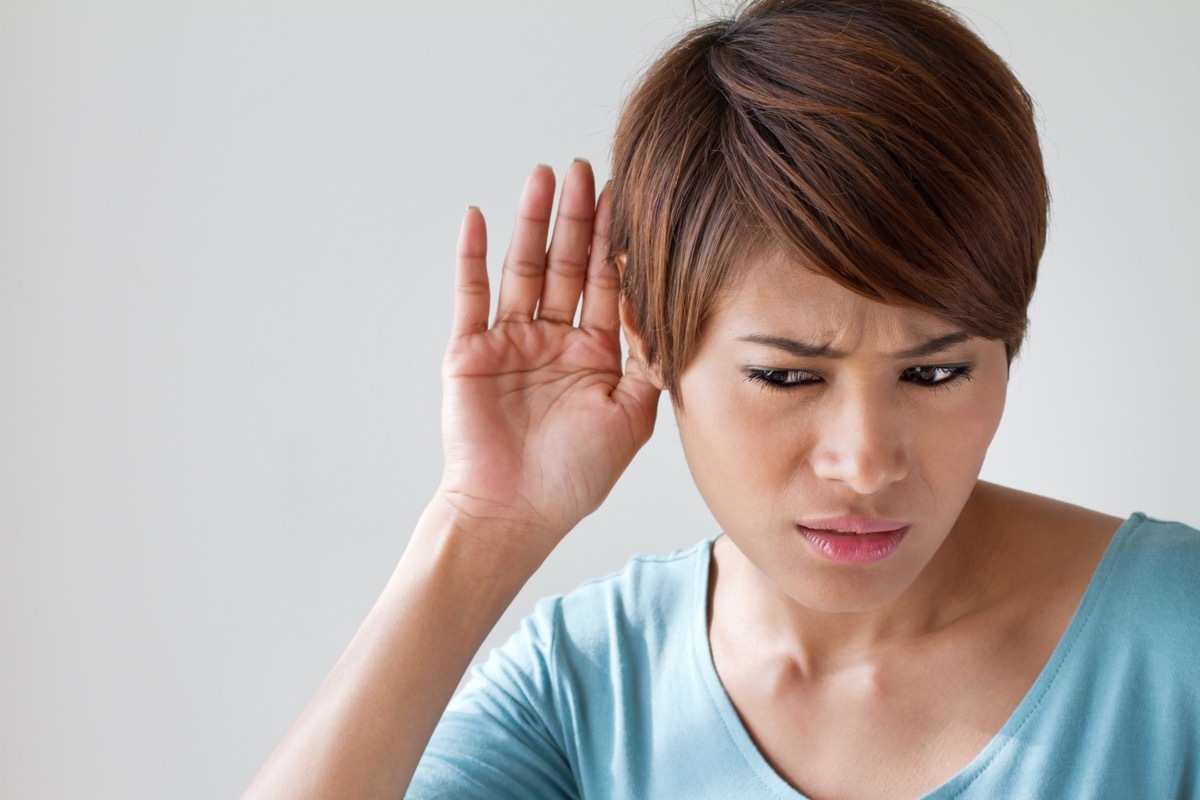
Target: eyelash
{"points": [[783, 380]]}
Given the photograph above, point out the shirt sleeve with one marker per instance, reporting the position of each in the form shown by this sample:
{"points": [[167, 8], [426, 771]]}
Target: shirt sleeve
{"points": [[501, 736]]}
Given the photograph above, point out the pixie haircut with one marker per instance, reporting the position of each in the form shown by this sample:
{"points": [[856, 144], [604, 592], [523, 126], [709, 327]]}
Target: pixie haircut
{"points": [[877, 142]]}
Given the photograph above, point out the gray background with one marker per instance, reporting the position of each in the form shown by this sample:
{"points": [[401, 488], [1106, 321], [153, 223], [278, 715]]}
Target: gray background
{"points": [[226, 237]]}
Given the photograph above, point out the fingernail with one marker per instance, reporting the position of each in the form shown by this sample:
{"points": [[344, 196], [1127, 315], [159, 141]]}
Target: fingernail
{"points": [[546, 166], [582, 160], [472, 208]]}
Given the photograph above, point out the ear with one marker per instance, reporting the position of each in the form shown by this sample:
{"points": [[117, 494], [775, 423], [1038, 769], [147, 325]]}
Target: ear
{"points": [[633, 336]]}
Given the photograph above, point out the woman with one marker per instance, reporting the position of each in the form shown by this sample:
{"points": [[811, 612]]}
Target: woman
{"points": [[821, 238]]}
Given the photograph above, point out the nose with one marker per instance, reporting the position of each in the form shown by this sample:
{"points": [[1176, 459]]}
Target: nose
{"points": [[861, 442]]}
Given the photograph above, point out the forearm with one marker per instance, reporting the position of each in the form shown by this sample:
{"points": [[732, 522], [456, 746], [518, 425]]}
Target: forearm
{"points": [[363, 732], [538, 421]]}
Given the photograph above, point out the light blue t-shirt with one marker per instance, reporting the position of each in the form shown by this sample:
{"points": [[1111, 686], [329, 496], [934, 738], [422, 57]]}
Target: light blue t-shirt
{"points": [[610, 692]]}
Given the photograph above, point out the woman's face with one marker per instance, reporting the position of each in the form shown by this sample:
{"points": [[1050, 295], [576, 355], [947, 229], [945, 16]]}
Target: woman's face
{"points": [[809, 410]]}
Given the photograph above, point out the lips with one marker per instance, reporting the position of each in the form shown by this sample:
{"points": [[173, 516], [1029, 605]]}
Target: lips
{"points": [[852, 539], [852, 524]]}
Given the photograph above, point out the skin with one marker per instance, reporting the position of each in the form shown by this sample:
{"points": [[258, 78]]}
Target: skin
{"points": [[867, 432], [538, 421], [915, 661], [899, 710]]}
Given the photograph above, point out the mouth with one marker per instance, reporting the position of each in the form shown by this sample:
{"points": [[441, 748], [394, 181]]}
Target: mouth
{"points": [[853, 540], [853, 523]]}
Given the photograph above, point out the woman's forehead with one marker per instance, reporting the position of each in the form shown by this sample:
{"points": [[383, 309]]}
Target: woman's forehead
{"points": [[779, 296]]}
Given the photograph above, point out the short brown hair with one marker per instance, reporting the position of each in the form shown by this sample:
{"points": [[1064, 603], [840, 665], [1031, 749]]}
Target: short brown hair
{"points": [[878, 142]]}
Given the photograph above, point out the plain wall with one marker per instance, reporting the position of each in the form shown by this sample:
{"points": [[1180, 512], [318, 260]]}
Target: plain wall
{"points": [[226, 239]]}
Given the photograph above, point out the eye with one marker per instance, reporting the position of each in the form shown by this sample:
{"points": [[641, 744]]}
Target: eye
{"points": [[935, 376], [781, 378]]}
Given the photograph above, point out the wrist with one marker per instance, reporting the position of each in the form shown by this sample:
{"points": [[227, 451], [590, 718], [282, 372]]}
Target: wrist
{"points": [[493, 547]]}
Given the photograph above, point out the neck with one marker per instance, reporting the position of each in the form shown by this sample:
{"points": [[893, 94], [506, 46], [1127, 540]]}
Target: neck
{"points": [[815, 642]]}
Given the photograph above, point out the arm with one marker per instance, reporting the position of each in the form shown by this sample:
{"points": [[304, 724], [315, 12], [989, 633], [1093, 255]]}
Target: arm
{"points": [[538, 421]]}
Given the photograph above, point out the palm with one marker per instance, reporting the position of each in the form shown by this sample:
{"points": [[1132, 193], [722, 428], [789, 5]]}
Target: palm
{"points": [[538, 418]]}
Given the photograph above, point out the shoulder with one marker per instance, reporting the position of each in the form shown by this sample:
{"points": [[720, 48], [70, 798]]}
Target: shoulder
{"points": [[647, 597], [548, 707], [1163, 536], [1156, 563], [1141, 575], [636, 608], [1144, 597], [1116, 706], [644, 577]]}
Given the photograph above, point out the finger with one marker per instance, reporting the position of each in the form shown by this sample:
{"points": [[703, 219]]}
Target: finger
{"points": [[471, 294], [602, 287], [525, 262], [567, 258]]}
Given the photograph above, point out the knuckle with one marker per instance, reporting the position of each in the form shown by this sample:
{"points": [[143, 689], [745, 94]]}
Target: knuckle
{"points": [[513, 315], [569, 216], [571, 267], [605, 279], [535, 220], [473, 287], [523, 267]]}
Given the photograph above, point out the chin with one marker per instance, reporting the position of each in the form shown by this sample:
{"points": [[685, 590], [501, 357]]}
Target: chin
{"points": [[817, 585], [847, 596]]}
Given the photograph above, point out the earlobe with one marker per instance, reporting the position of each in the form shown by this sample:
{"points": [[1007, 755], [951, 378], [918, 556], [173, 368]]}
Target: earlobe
{"points": [[637, 346], [633, 337]]}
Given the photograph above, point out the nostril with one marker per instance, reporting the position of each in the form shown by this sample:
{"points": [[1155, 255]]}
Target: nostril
{"points": [[865, 471]]}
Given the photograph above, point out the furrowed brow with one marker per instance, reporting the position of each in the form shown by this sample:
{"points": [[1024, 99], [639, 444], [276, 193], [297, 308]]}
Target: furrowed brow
{"points": [[794, 347], [802, 349], [934, 346]]}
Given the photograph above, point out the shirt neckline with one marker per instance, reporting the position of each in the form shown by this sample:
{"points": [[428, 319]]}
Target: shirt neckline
{"points": [[775, 784]]}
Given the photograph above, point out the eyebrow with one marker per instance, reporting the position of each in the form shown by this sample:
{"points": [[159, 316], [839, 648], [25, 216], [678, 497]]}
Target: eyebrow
{"points": [[802, 349]]}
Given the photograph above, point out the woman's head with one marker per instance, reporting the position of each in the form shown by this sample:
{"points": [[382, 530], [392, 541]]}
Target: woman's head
{"points": [[876, 142]]}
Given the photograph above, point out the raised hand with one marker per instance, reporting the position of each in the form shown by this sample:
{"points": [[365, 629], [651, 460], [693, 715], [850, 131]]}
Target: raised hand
{"points": [[538, 418], [538, 422]]}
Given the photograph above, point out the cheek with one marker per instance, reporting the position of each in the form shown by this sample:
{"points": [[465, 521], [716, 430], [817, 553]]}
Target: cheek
{"points": [[716, 433], [957, 439], [740, 451], [984, 417]]}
